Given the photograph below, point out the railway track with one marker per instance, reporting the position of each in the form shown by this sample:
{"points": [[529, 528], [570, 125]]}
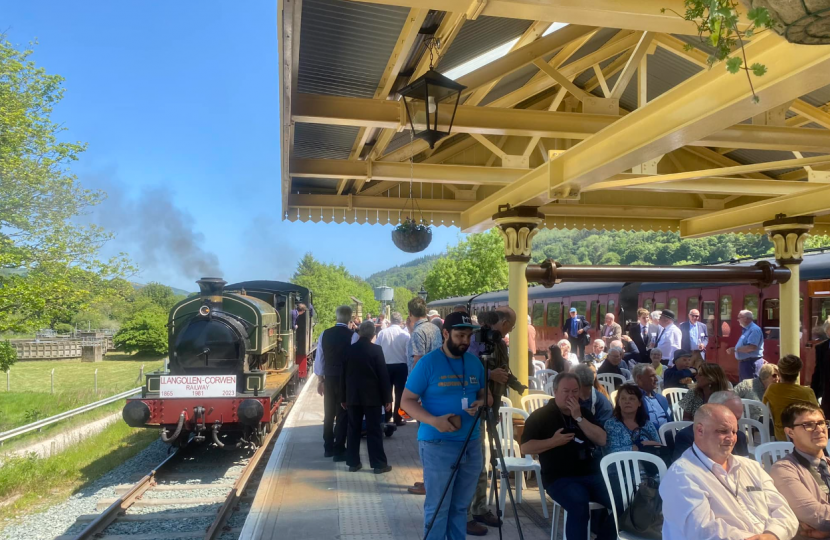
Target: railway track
{"points": [[193, 493]]}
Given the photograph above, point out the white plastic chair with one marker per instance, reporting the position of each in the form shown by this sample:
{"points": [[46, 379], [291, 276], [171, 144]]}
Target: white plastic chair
{"points": [[545, 375], [672, 427], [554, 524], [674, 396], [514, 461], [534, 401], [768, 453], [608, 380], [766, 416], [549, 386], [538, 366], [613, 398], [506, 401], [627, 466], [749, 426]]}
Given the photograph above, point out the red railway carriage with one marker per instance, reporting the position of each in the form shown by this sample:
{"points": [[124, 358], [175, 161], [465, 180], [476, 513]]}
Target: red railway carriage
{"points": [[718, 304]]}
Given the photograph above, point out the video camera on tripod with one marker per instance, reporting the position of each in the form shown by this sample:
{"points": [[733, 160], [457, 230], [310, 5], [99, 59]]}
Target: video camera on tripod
{"points": [[488, 338]]}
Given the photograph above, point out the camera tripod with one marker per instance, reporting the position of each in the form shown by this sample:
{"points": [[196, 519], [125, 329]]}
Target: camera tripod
{"points": [[495, 454]]}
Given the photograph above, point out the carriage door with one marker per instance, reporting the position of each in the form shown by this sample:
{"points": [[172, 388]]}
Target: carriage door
{"points": [[708, 303], [660, 302]]}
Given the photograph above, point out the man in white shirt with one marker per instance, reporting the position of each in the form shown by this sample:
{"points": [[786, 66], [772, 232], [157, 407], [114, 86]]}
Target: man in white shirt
{"points": [[710, 494], [393, 340], [670, 337]]}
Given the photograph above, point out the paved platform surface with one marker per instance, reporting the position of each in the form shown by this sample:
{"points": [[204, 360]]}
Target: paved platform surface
{"points": [[304, 495]]}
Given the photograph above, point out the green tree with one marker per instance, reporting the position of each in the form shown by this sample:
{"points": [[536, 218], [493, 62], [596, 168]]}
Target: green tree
{"points": [[401, 299], [145, 332], [8, 355], [160, 295], [475, 265], [332, 286], [43, 253]]}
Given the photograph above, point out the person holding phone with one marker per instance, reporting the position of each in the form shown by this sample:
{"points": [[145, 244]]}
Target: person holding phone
{"points": [[449, 382], [566, 437]]}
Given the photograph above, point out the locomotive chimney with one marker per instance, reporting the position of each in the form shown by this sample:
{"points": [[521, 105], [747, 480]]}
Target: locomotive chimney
{"points": [[211, 290]]}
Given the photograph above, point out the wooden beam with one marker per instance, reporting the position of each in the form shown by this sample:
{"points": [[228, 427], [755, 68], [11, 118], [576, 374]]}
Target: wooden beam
{"points": [[601, 80], [633, 63], [554, 74]]}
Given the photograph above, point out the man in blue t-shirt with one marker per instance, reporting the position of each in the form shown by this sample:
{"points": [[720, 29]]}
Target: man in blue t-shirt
{"points": [[450, 384]]}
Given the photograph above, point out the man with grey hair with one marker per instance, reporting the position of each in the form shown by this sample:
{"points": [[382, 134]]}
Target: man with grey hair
{"points": [[459, 308], [565, 435], [732, 401], [328, 366], [589, 398], [393, 340], [614, 364], [749, 351], [711, 493]]}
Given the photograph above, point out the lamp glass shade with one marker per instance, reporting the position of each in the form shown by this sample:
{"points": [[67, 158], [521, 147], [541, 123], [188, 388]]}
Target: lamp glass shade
{"points": [[431, 102]]}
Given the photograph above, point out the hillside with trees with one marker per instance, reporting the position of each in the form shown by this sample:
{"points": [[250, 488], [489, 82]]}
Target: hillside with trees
{"points": [[409, 275]]}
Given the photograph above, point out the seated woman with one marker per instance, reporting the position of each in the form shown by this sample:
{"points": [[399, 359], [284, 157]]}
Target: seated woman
{"points": [[656, 356], [754, 388], [597, 385], [710, 379], [629, 427], [565, 347], [555, 360]]}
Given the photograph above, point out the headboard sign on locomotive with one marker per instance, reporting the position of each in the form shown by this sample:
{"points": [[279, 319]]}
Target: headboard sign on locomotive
{"points": [[718, 303], [232, 362]]}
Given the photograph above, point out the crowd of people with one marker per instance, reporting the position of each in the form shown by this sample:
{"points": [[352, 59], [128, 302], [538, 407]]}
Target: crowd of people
{"points": [[432, 369]]}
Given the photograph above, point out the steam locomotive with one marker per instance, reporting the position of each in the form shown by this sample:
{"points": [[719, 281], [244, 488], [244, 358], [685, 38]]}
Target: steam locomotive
{"points": [[232, 363]]}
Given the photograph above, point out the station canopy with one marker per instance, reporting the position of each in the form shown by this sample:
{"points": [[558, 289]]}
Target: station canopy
{"points": [[593, 110]]}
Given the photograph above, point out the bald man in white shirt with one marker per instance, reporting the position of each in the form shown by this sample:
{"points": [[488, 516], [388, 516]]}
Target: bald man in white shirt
{"points": [[710, 494]]}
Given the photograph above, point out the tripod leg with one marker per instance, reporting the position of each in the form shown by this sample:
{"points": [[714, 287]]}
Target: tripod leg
{"points": [[499, 454]]}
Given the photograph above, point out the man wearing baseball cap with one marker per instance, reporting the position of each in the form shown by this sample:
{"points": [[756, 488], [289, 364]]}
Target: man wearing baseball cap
{"points": [[576, 330], [449, 382]]}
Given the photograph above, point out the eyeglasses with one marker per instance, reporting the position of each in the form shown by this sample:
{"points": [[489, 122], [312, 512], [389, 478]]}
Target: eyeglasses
{"points": [[694, 316], [809, 427]]}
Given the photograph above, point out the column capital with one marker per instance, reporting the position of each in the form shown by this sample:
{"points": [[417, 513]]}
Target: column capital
{"points": [[787, 235], [517, 227]]}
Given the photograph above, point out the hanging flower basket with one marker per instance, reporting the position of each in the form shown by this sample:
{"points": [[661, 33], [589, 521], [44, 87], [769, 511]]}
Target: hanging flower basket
{"points": [[806, 22], [411, 236]]}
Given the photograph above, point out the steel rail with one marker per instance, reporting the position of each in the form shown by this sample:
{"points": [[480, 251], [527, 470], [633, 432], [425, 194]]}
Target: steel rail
{"points": [[10, 434], [217, 527], [108, 516]]}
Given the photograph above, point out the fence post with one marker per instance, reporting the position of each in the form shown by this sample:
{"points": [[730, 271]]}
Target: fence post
{"points": [[141, 375], [8, 380], [165, 364], [52, 377], [96, 382]]}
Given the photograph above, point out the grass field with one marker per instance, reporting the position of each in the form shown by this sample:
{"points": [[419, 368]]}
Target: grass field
{"points": [[28, 484], [30, 399]]}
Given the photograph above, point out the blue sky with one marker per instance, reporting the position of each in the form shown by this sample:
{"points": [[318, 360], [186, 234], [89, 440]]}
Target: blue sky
{"points": [[179, 104]]}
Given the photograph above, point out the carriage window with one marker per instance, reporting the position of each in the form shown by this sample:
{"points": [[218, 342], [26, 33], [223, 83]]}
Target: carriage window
{"points": [[693, 302], [593, 312], [648, 304], [612, 306], [538, 315], [673, 306], [581, 307], [820, 311], [659, 306], [771, 317], [725, 315], [708, 315], [602, 312], [751, 304], [554, 314]]}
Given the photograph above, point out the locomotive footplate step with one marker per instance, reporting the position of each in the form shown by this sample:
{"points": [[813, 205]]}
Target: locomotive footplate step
{"points": [[304, 495]]}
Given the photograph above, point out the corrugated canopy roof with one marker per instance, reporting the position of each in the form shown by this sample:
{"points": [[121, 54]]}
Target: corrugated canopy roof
{"points": [[596, 152]]}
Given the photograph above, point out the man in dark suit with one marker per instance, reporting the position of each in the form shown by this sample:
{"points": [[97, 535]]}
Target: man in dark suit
{"points": [[367, 391], [640, 334], [695, 334], [686, 436], [576, 329]]}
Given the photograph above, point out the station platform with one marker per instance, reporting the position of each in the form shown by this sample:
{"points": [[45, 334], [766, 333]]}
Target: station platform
{"points": [[304, 495]]}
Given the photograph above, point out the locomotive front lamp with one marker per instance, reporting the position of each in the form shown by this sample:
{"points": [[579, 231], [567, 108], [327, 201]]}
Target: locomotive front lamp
{"points": [[431, 101]]}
